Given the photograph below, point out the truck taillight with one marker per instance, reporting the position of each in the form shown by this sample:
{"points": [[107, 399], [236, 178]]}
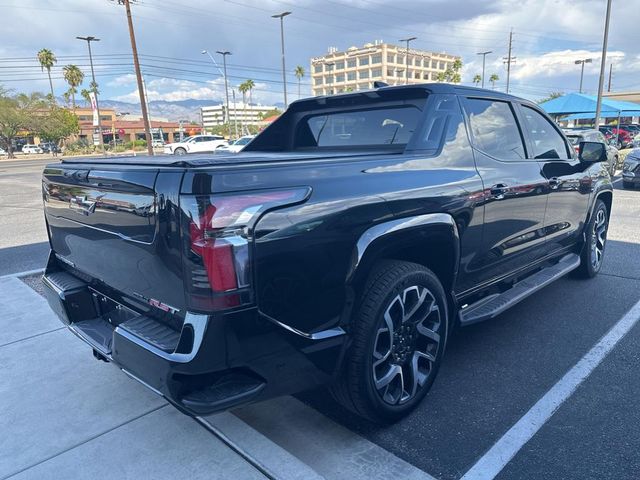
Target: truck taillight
{"points": [[217, 241]]}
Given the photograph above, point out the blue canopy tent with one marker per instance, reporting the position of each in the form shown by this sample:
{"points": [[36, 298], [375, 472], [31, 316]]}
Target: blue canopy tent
{"points": [[577, 106]]}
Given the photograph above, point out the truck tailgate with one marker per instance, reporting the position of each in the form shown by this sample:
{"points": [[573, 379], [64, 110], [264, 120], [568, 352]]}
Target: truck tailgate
{"points": [[118, 227]]}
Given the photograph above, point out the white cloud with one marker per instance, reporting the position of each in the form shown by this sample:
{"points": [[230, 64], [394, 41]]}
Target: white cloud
{"points": [[123, 80]]}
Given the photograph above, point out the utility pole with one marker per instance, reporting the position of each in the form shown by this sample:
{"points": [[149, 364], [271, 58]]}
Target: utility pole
{"points": [[136, 65], [235, 113], [603, 63], [509, 59], [406, 59], [284, 70], [582, 62], [484, 57], [95, 93], [610, 74]]}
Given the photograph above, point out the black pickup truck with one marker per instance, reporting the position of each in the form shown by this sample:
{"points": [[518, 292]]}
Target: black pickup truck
{"points": [[342, 247]]}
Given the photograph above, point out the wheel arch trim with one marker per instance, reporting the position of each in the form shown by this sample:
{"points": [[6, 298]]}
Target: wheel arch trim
{"points": [[391, 227]]}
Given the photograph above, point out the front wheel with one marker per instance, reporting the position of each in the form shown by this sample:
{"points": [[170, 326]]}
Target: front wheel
{"points": [[596, 238], [398, 337], [180, 151]]}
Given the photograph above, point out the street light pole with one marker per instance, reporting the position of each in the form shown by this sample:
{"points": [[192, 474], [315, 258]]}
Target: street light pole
{"points": [[484, 56], [284, 70], [406, 58], [90, 39], [603, 62], [224, 54], [582, 62]]}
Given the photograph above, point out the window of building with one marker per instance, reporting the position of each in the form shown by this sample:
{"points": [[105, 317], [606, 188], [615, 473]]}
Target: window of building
{"points": [[391, 58], [328, 78], [376, 58], [351, 63], [351, 75], [416, 75], [340, 65], [401, 59], [390, 72], [442, 66], [376, 72], [340, 77], [547, 142], [425, 76], [317, 81], [317, 68], [434, 64], [364, 74], [328, 67], [84, 118], [363, 86], [363, 61], [494, 129]]}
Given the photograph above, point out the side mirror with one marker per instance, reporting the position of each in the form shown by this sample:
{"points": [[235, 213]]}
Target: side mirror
{"points": [[592, 152]]}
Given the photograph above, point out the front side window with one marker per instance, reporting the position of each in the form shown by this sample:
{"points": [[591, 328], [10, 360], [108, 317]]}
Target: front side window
{"points": [[546, 141], [494, 129], [359, 128]]}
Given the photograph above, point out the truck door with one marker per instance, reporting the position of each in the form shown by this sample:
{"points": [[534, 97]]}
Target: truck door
{"points": [[568, 181], [515, 192]]}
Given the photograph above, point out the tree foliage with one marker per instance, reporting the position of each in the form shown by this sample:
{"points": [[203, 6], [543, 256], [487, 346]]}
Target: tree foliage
{"points": [[47, 60], [451, 74], [551, 96], [74, 77], [477, 79], [33, 113], [493, 79]]}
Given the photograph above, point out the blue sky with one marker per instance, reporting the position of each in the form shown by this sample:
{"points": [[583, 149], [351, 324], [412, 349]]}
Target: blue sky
{"points": [[549, 35]]}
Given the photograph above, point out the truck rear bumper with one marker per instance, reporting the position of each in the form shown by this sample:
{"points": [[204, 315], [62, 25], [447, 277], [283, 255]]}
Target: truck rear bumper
{"points": [[214, 363]]}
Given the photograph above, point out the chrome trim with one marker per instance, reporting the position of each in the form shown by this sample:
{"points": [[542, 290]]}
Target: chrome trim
{"points": [[322, 335], [386, 228], [197, 322]]}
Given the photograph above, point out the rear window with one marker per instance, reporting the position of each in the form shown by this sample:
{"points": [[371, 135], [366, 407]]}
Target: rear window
{"points": [[358, 128], [574, 139]]}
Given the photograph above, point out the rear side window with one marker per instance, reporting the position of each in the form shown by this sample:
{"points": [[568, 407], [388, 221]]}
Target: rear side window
{"points": [[547, 142], [494, 129], [359, 128]]}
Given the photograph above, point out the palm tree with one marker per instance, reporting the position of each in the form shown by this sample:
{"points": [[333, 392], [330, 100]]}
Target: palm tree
{"points": [[250, 85], [299, 73], [477, 79], [441, 76], [47, 60], [244, 88], [493, 79], [86, 95], [74, 77]]}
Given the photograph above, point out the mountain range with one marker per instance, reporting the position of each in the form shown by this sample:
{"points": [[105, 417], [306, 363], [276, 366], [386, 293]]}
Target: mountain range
{"points": [[188, 110]]}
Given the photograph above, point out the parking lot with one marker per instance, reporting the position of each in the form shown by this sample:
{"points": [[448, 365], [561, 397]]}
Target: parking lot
{"points": [[525, 395]]}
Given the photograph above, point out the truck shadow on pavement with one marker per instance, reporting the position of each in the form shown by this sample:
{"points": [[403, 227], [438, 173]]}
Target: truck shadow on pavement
{"points": [[23, 258]]}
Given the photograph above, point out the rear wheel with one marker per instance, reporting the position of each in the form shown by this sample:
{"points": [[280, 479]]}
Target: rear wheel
{"points": [[596, 238], [399, 337]]}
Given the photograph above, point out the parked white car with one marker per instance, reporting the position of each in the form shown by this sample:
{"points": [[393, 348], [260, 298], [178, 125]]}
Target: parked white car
{"points": [[2, 151], [238, 145], [196, 144], [30, 148]]}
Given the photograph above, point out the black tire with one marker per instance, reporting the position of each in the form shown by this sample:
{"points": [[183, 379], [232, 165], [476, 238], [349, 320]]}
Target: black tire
{"points": [[593, 249], [179, 151], [412, 350]]}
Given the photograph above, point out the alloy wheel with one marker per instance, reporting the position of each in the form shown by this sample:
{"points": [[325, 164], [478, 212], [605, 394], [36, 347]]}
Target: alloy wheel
{"points": [[598, 239], [406, 345]]}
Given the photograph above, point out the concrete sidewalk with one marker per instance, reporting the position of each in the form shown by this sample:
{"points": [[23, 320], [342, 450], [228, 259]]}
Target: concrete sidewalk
{"points": [[67, 416]]}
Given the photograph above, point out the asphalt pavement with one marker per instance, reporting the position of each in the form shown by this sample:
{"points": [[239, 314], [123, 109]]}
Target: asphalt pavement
{"points": [[494, 375]]}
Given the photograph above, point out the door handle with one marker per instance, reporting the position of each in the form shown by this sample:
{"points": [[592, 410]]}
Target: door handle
{"points": [[497, 191], [554, 182]]}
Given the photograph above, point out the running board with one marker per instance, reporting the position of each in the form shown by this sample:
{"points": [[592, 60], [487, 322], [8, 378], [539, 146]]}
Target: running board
{"points": [[494, 305]]}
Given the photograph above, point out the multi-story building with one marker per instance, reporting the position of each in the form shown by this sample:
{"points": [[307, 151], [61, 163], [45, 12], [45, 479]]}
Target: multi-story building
{"points": [[244, 114], [357, 68]]}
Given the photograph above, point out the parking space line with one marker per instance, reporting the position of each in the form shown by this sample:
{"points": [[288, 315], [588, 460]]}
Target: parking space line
{"points": [[31, 336], [501, 453]]}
